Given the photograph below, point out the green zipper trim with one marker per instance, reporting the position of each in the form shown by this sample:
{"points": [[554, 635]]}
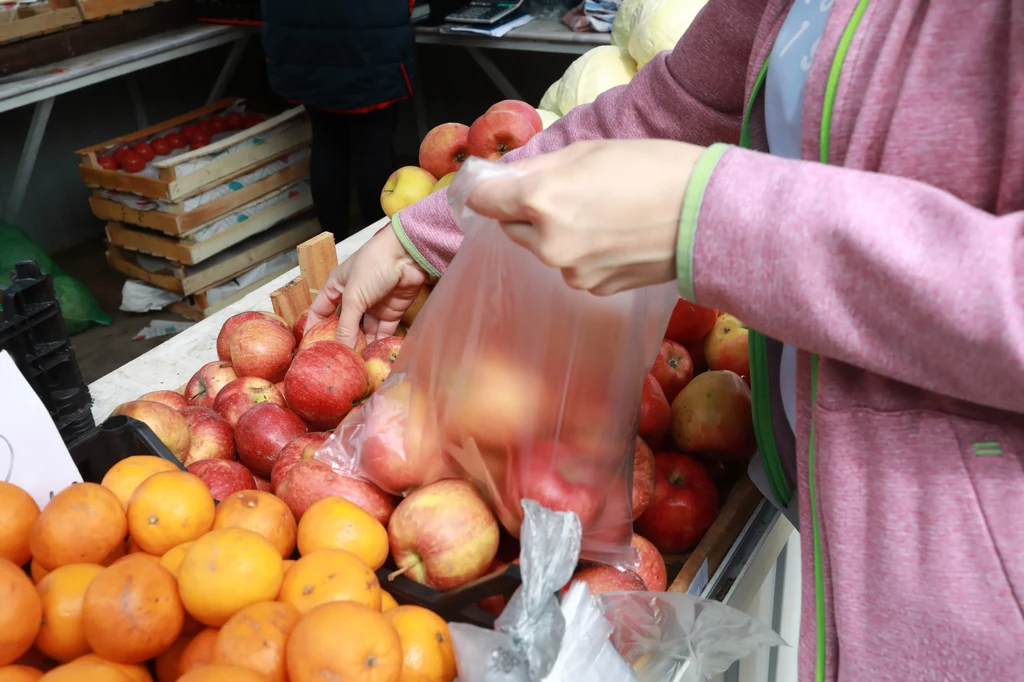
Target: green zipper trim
{"points": [[396, 225], [690, 215], [745, 141], [760, 392]]}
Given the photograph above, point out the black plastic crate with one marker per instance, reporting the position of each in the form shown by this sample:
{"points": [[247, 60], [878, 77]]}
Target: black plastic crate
{"points": [[458, 605], [32, 330], [95, 452], [245, 12]]}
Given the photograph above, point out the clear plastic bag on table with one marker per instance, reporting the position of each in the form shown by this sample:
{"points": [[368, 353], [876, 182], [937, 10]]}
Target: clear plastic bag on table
{"points": [[516, 381]]}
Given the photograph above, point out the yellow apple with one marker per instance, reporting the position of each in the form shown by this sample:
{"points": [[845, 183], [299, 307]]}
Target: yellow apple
{"points": [[445, 181], [404, 188]]}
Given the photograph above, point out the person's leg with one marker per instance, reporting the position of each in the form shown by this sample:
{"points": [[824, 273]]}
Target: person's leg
{"points": [[373, 158], [330, 170]]}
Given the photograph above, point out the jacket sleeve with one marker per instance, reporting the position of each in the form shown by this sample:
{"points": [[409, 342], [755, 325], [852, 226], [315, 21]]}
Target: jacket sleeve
{"points": [[694, 94], [881, 272]]}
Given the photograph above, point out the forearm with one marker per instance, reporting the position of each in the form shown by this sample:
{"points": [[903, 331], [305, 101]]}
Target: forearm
{"points": [[881, 272], [693, 94]]}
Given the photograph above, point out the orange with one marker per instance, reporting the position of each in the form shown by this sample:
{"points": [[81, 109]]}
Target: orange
{"points": [[131, 547], [336, 523], [135, 672], [18, 511], [286, 564], [116, 553], [255, 638], [91, 671], [152, 558], [38, 572], [330, 575], [221, 673], [168, 509], [199, 651], [82, 524], [62, 591], [33, 658], [226, 570], [372, 650], [166, 664], [427, 653], [387, 602], [262, 513], [131, 611], [20, 612], [124, 477], [19, 673], [172, 559]]}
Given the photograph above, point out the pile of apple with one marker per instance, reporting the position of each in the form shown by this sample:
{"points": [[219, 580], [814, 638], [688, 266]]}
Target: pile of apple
{"points": [[506, 126]]}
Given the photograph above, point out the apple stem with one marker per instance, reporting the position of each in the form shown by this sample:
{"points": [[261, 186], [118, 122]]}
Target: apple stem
{"points": [[401, 571]]}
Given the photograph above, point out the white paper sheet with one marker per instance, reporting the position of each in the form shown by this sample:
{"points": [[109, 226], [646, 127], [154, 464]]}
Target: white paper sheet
{"points": [[32, 454]]}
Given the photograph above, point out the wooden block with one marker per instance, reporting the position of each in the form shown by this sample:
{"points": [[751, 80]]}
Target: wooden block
{"points": [[739, 506], [36, 20], [317, 257], [291, 300]]}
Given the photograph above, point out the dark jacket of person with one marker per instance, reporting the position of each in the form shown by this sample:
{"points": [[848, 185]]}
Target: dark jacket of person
{"points": [[340, 55]]}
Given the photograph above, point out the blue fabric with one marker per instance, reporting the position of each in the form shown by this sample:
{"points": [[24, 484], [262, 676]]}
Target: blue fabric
{"points": [[786, 79]]}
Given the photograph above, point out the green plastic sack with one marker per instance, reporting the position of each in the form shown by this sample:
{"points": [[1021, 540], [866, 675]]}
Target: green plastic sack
{"points": [[78, 306]]}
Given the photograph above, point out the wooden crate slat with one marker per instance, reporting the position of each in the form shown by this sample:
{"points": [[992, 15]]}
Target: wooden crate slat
{"points": [[317, 257], [98, 9], [160, 127], [180, 223], [199, 308], [36, 20], [291, 300]]}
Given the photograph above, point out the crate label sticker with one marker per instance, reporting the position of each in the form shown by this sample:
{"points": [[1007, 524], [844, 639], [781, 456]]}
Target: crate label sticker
{"points": [[32, 453], [700, 581]]}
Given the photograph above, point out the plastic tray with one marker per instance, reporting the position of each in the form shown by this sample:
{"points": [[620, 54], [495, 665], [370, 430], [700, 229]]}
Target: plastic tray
{"points": [[32, 331]]}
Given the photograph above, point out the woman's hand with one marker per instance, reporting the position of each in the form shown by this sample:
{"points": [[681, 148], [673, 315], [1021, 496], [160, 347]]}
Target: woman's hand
{"points": [[379, 283], [606, 213]]}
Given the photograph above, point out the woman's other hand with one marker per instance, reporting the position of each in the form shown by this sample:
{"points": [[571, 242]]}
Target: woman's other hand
{"points": [[605, 213], [379, 283]]}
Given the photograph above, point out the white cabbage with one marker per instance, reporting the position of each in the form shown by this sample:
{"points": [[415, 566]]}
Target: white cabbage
{"points": [[596, 71], [547, 117], [658, 25]]}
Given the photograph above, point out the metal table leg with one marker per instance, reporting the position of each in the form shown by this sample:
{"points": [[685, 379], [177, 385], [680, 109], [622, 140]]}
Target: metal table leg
{"points": [[227, 71], [27, 162], [494, 73]]}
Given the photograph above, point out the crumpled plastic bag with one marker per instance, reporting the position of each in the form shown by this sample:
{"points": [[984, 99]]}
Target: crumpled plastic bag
{"points": [[616, 637], [517, 382]]}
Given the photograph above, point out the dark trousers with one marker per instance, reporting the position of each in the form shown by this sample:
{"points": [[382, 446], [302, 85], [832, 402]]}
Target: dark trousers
{"points": [[351, 148]]}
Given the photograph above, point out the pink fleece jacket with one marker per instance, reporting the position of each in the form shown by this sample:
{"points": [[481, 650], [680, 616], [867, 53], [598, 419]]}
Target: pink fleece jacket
{"points": [[902, 265]]}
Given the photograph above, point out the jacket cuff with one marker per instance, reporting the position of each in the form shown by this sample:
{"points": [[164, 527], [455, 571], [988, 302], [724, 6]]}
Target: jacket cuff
{"points": [[692, 200], [396, 225]]}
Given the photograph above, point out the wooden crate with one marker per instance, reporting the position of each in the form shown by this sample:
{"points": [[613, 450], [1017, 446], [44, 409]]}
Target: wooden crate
{"points": [[239, 259], [176, 221], [99, 9], [37, 19], [189, 250], [173, 182], [317, 257], [197, 307]]}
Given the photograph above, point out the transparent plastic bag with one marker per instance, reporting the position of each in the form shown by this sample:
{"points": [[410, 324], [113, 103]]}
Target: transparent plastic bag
{"points": [[516, 381]]}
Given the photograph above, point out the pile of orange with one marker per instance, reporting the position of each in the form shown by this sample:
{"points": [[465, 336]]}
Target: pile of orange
{"points": [[143, 578]]}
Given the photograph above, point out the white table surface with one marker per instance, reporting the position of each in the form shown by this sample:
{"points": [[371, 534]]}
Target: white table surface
{"points": [[172, 363]]}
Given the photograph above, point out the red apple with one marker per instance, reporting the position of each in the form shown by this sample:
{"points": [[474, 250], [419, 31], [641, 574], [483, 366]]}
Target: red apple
{"points": [[643, 477], [223, 477], [204, 386], [262, 484], [241, 394], [325, 331], [444, 149], [690, 322], [324, 382], [298, 449], [696, 351], [443, 535], [212, 436], [299, 326], [496, 133], [165, 422], [521, 108], [713, 414], [655, 413], [651, 568], [602, 579], [311, 480], [684, 505], [171, 399], [379, 356], [262, 348], [673, 368], [280, 388], [726, 347], [262, 432], [235, 321], [557, 477]]}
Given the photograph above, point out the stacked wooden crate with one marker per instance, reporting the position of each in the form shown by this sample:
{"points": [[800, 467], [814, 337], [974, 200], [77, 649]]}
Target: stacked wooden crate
{"points": [[193, 221], [19, 21]]}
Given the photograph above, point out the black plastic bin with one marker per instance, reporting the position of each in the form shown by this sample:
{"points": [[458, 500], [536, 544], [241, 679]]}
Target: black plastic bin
{"points": [[97, 451]]}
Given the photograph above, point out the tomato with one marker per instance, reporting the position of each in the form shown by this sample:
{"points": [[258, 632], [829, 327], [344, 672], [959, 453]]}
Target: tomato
{"points": [[217, 125], [161, 146], [132, 162], [145, 151], [107, 162], [200, 139], [204, 127], [234, 120], [249, 120], [176, 141], [188, 132], [118, 153]]}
